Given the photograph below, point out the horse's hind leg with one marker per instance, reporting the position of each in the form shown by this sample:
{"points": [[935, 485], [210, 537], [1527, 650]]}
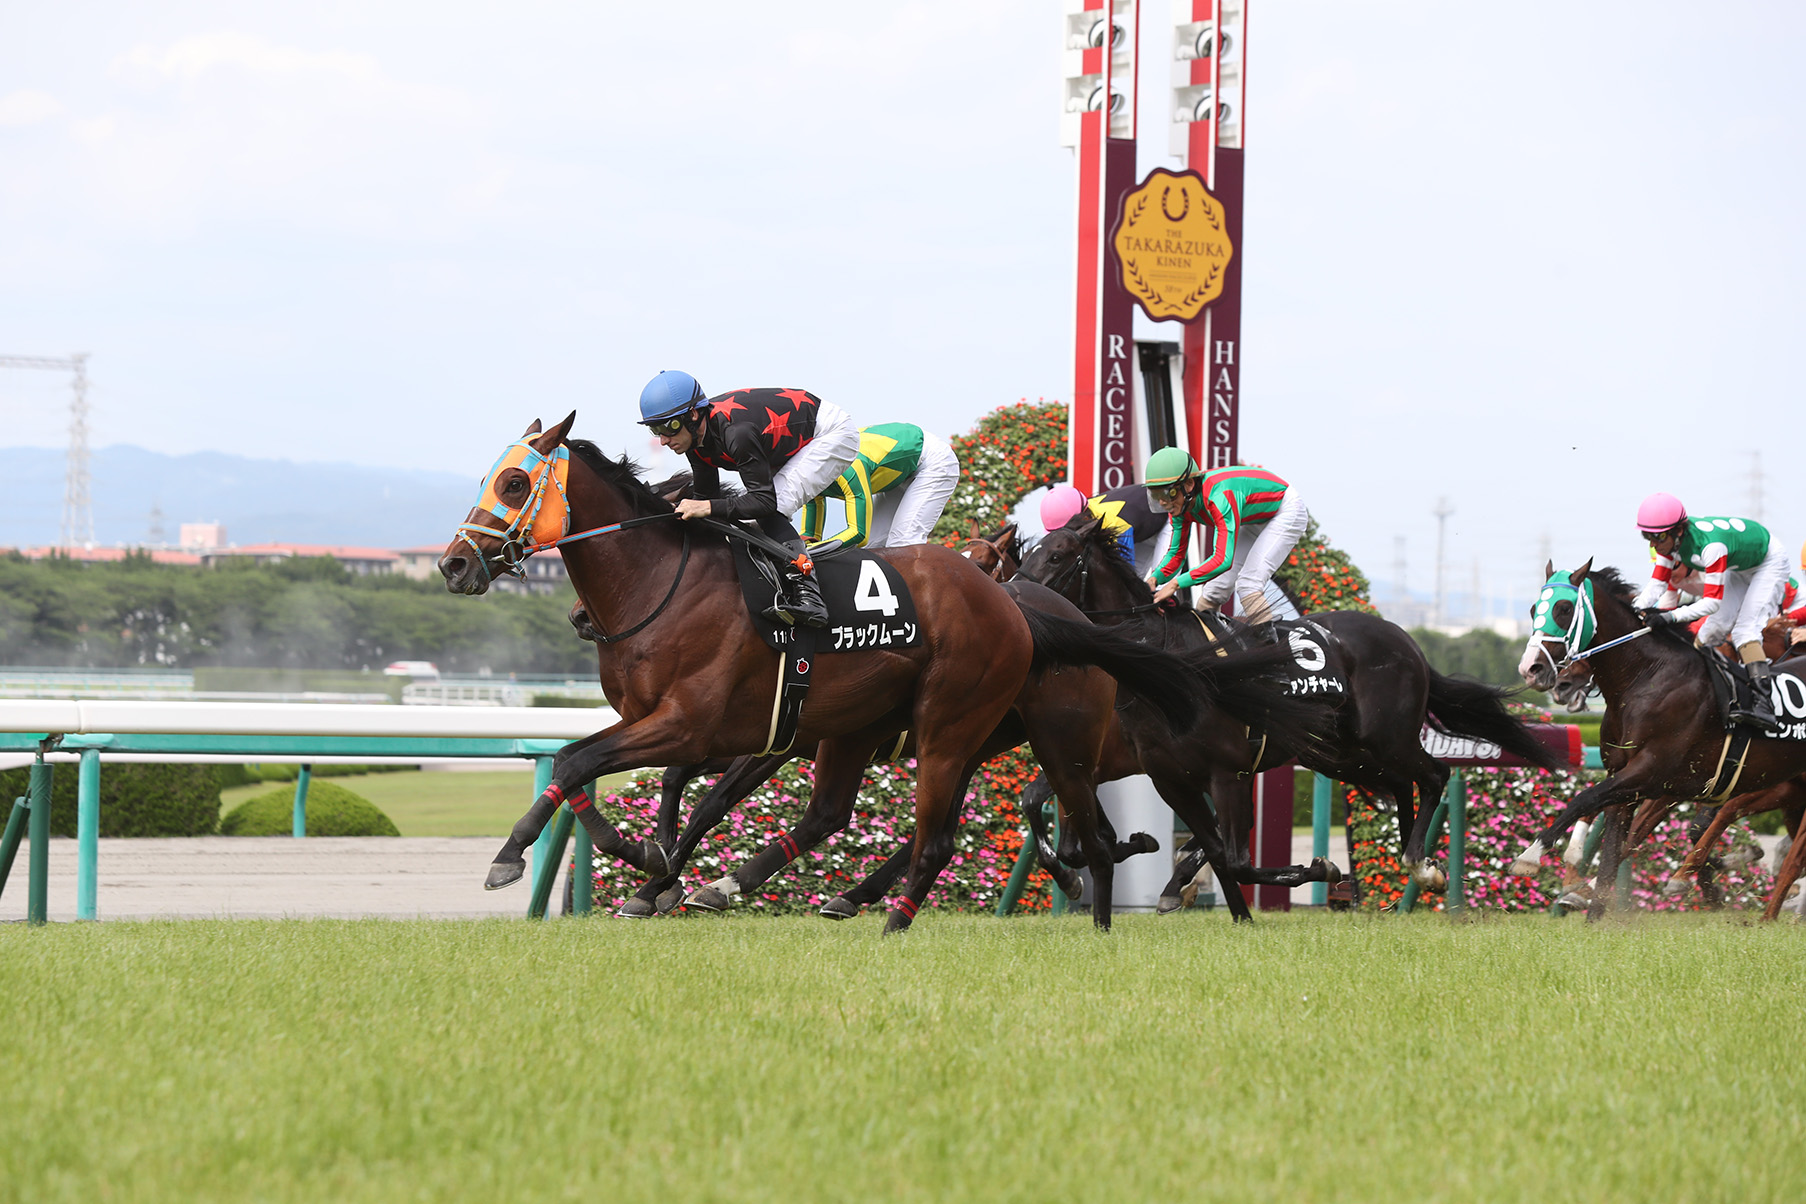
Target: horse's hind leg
{"points": [[839, 768], [741, 777], [1611, 855], [1788, 874], [1035, 798]]}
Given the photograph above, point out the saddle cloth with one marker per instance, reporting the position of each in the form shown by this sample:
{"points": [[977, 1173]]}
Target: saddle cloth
{"points": [[869, 606], [1315, 652]]}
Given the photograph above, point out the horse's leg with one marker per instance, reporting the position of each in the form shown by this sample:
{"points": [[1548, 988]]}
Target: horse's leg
{"points": [[1710, 893], [1636, 781], [1611, 854], [1186, 867], [1790, 869], [664, 737], [1081, 812], [672, 784], [875, 886], [1034, 800], [1176, 789], [936, 823], [839, 768], [741, 777], [1430, 777]]}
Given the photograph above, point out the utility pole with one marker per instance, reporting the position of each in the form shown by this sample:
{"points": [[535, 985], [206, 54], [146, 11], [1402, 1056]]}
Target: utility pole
{"points": [[78, 511], [1442, 512]]}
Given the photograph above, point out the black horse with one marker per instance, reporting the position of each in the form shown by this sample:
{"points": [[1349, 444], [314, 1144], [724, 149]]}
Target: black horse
{"points": [[1372, 739]]}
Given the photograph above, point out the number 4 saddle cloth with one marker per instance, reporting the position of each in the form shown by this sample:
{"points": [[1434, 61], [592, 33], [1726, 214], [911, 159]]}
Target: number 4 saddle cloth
{"points": [[869, 606]]}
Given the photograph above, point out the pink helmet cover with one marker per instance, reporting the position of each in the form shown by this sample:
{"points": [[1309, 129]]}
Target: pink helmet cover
{"points": [[1659, 512], [1058, 507]]}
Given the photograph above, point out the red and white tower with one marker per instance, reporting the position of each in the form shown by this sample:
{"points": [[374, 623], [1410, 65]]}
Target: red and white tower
{"points": [[1099, 121]]}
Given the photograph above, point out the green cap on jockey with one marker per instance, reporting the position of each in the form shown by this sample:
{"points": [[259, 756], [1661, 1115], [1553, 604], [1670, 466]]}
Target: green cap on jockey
{"points": [[1168, 466]]}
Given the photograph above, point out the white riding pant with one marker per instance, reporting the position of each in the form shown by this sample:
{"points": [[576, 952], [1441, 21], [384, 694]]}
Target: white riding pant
{"points": [[1751, 598], [1257, 559], [906, 515], [822, 459]]}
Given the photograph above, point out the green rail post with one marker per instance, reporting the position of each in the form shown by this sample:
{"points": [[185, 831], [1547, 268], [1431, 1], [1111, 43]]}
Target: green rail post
{"points": [[87, 833], [1456, 798], [1437, 817], [1621, 900], [1321, 794], [559, 831], [583, 868], [542, 777], [37, 900], [15, 832], [1025, 864], [301, 781], [1057, 904]]}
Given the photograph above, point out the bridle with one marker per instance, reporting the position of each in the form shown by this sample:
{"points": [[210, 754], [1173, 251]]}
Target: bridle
{"points": [[529, 523], [1579, 631], [1081, 564]]}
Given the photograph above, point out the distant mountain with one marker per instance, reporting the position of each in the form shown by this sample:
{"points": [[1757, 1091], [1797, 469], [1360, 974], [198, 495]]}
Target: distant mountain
{"points": [[259, 501]]}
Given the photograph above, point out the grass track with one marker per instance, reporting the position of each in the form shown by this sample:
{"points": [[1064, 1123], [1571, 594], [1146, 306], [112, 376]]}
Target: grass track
{"points": [[755, 1058]]}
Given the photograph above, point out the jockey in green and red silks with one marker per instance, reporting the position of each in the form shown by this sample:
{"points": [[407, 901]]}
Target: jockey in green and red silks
{"points": [[1253, 517], [1741, 573]]}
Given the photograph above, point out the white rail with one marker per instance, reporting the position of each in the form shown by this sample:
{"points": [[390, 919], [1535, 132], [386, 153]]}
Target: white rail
{"points": [[69, 718]]}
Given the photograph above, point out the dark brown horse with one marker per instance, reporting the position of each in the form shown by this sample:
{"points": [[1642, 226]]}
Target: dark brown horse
{"points": [[691, 679], [1661, 736], [1370, 740]]}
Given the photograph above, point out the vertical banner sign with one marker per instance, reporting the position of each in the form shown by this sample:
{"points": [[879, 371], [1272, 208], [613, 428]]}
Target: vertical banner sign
{"points": [[1209, 51], [1099, 123]]}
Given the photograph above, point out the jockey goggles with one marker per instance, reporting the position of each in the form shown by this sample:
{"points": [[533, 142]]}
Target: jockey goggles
{"points": [[542, 521], [666, 426]]}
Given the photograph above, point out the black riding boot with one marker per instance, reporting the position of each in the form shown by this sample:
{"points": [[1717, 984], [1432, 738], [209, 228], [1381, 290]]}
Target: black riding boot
{"points": [[802, 602], [1761, 714]]}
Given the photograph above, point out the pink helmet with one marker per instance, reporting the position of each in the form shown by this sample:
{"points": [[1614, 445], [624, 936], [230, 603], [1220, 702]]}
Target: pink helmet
{"points": [[1659, 512], [1058, 507]]}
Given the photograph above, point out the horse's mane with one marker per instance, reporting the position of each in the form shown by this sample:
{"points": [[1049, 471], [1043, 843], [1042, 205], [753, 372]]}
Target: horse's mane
{"points": [[1109, 559], [623, 474], [1609, 583]]}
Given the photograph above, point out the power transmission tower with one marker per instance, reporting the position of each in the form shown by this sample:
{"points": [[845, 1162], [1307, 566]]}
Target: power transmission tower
{"points": [[78, 512], [1442, 512]]}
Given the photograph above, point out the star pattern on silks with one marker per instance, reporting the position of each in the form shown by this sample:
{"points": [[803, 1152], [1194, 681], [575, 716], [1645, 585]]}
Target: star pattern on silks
{"points": [[1110, 510], [725, 405], [795, 397], [778, 428]]}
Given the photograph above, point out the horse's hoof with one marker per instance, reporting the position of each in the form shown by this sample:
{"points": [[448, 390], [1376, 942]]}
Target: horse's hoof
{"points": [[657, 863], [504, 873], [838, 908], [1143, 842], [1167, 905], [1578, 899], [897, 921], [1068, 880], [1332, 873], [669, 901], [1529, 862], [707, 898], [635, 909], [1431, 878], [1676, 885], [1188, 894]]}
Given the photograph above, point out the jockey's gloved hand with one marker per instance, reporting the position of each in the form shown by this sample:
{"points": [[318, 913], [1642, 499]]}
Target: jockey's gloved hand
{"points": [[1659, 618]]}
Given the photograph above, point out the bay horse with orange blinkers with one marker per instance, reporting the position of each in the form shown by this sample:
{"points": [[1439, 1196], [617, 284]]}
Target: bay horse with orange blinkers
{"points": [[690, 678]]}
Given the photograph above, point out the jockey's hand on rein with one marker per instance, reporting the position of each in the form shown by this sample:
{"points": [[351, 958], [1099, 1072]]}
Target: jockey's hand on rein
{"points": [[1658, 618]]}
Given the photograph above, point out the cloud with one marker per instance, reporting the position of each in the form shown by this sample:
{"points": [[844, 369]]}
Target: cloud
{"points": [[28, 107]]}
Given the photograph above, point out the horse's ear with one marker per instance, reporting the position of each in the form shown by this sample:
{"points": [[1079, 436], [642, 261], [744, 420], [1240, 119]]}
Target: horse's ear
{"points": [[1580, 574], [1090, 528], [1548, 570], [532, 430], [1005, 537], [975, 534], [552, 438]]}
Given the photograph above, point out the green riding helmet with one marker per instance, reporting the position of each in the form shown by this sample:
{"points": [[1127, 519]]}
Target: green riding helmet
{"points": [[1169, 466]]}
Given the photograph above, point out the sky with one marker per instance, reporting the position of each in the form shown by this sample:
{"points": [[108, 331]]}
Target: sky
{"points": [[1538, 265]]}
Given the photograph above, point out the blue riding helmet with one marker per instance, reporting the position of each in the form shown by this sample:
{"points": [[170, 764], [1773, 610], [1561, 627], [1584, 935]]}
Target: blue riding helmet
{"points": [[668, 395]]}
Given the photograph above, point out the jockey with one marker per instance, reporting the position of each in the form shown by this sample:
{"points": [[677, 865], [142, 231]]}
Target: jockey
{"points": [[1124, 513], [1254, 517], [1742, 573], [894, 492], [786, 444]]}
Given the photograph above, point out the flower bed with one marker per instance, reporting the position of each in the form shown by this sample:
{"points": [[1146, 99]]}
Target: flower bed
{"points": [[1012, 451], [883, 818], [1505, 810]]}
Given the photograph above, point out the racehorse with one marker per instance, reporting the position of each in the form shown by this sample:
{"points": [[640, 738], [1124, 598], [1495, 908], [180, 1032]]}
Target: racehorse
{"points": [[1372, 740], [1047, 704], [691, 679], [1661, 736]]}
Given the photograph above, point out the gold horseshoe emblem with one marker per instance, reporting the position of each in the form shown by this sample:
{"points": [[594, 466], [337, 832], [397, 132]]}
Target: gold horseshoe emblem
{"points": [[1184, 207]]}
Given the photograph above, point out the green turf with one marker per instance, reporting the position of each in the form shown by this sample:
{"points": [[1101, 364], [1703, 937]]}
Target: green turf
{"points": [[694, 1059], [431, 804]]}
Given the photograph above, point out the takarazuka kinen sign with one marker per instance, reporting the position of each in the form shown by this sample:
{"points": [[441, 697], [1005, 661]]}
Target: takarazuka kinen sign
{"points": [[1172, 243]]}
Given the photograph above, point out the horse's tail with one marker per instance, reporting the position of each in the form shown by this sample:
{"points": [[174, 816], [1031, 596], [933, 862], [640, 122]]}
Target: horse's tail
{"points": [[1253, 684], [1459, 707], [1178, 691]]}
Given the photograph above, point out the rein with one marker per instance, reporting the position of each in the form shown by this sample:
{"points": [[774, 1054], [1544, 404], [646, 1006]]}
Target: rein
{"points": [[1082, 566]]}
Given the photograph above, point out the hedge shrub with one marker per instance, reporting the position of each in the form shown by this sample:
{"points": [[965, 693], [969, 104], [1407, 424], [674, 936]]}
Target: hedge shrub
{"points": [[331, 811], [135, 800]]}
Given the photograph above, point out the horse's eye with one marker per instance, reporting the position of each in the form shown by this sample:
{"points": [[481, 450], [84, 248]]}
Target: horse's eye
{"points": [[513, 486]]}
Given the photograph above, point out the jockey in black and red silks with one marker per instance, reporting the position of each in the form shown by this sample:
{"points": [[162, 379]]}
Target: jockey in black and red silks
{"points": [[788, 445]]}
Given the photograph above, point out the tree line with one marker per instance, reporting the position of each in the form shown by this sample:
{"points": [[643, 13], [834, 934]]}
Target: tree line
{"points": [[303, 613]]}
